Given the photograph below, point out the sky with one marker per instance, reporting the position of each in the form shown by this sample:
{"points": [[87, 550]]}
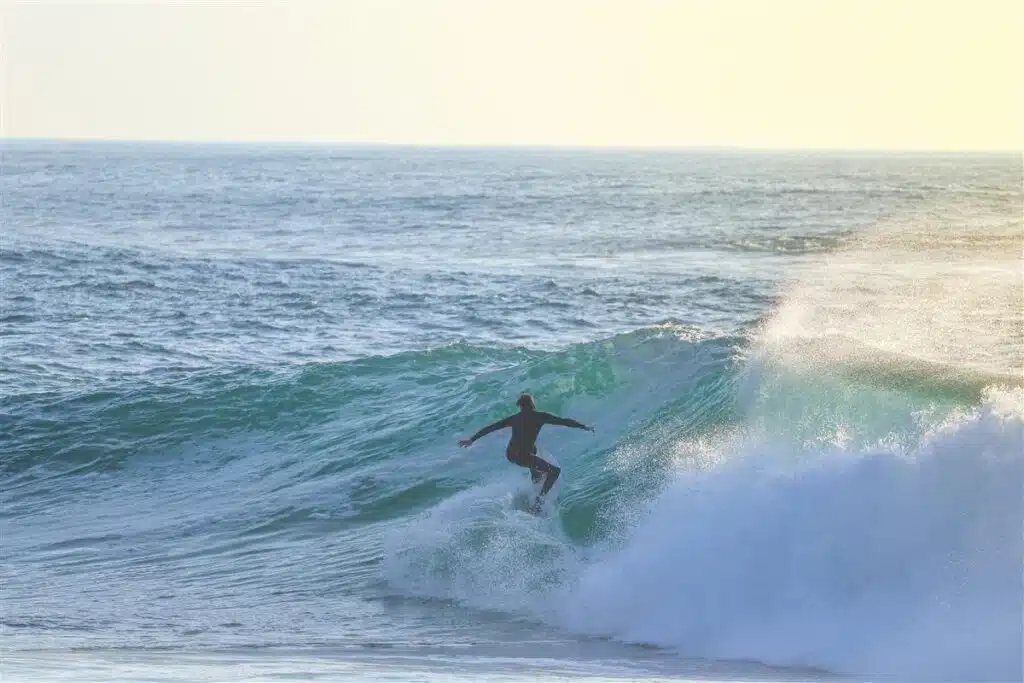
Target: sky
{"points": [[783, 74]]}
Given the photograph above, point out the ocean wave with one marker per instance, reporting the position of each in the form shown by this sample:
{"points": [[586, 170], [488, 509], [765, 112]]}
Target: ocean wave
{"points": [[726, 507], [129, 417]]}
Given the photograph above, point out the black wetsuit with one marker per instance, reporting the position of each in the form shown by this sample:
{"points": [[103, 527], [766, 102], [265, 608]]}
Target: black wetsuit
{"points": [[522, 447]]}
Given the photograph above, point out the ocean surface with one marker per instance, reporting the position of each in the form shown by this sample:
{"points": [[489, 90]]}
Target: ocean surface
{"points": [[233, 378]]}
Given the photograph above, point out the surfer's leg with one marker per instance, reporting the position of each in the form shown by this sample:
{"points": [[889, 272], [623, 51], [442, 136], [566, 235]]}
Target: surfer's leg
{"points": [[516, 458], [535, 474], [538, 467], [550, 471]]}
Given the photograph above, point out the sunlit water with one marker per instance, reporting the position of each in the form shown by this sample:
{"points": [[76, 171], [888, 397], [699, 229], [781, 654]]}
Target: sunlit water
{"points": [[232, 379]]}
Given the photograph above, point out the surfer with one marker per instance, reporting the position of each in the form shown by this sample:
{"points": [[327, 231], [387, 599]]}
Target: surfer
{"points": [[522, 447]]}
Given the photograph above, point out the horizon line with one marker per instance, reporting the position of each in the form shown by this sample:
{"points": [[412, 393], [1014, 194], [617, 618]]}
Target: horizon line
{"points": [[283, 142]]}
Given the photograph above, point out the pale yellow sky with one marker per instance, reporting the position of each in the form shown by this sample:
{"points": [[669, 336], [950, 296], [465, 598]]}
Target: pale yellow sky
{"points": [[865, 74]]}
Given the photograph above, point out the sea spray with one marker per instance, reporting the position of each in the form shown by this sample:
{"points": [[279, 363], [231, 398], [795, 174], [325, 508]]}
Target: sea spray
{"points": [[858, 561], [864, 516]]}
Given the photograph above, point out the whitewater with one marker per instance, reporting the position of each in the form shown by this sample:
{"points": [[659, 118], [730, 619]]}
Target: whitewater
{"points": [[233, 378]]}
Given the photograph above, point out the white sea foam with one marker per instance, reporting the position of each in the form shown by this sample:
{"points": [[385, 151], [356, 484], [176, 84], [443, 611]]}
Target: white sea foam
{"points": [[875, 562]]}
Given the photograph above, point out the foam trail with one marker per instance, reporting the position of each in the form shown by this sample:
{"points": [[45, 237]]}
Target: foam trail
{"points": [[478, 549]]}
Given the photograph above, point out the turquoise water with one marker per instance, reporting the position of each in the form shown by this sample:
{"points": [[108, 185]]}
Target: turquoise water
{"points": [[232, 381]]}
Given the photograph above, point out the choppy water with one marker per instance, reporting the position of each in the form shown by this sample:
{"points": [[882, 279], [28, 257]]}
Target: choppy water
{"points": [[232, 379]]}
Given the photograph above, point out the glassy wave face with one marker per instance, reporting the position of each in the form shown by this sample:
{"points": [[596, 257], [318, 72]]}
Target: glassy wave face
{"points": [[234, 379]]}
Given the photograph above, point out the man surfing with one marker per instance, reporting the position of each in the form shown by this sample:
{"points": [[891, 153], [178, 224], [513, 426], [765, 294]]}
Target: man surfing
{"points": [[522, 447]]}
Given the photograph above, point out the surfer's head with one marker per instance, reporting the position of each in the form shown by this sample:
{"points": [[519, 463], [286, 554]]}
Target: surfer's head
{"points": [[526, 402]]}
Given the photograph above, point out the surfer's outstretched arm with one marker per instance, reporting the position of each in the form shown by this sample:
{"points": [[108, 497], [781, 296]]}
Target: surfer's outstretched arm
{"points": [[500, 424], [565, 422]]}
